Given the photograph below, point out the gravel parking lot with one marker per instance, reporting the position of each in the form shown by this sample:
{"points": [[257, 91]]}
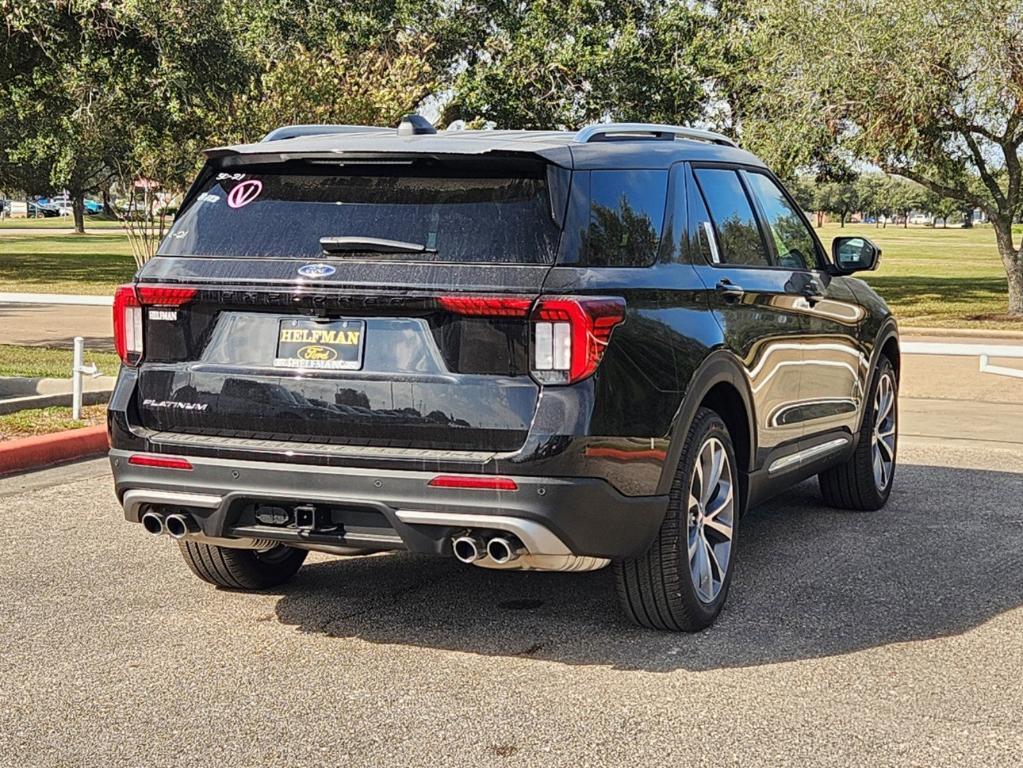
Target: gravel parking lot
{"points": [[893, 638]]}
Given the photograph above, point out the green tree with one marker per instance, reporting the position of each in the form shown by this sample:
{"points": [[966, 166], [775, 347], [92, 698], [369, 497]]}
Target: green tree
{"points": [[929, 90], [550, 64], [837, 197], [903, 197]]}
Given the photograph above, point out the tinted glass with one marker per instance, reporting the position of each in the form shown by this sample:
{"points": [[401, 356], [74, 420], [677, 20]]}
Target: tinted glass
{"points": [[739, 239], [793, 241], [285, 215], [701, 230], [626, 216]]}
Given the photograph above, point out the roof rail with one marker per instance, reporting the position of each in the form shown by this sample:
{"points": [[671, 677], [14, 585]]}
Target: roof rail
{"points": [[291, 131], [598, 132]]}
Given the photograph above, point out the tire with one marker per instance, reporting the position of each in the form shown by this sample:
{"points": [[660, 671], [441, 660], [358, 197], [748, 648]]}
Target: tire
{"points": [[858, 484], [243, 569], [659, 589]]}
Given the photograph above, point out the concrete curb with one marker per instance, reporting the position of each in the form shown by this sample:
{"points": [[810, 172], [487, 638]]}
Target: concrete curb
{"points": [[41, 451], [911, 330], [56, 298]]}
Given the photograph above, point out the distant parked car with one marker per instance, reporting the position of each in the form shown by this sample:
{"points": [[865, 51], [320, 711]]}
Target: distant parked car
{"points": [[41, 210]]}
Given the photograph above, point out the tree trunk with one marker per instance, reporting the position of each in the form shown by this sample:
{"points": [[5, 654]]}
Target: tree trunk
{"points": [[107, 209], [1012, 259], [78, 211], [841, 220]]}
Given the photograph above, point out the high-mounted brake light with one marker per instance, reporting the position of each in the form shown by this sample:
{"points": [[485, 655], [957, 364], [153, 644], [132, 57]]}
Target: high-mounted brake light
{"points": [[129, 303], [475, 482], [570, 335], [164, 462]]}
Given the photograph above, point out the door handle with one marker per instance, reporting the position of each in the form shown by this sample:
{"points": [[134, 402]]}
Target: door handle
{"points": [[729, 290]]}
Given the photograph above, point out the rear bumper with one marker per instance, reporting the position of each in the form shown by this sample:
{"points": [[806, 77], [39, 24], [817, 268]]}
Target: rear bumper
{"points": [[552, 516]]}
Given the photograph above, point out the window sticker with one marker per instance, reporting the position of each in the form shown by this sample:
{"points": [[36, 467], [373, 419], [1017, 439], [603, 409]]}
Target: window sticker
{"points": [[244, 193]]}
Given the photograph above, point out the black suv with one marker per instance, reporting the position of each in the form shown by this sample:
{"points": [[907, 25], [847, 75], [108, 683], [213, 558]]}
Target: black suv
{"points": [[523, 349]]}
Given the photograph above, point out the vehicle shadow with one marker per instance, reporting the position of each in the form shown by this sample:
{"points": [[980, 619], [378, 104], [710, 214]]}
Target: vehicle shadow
{"points": [[943, 557]]}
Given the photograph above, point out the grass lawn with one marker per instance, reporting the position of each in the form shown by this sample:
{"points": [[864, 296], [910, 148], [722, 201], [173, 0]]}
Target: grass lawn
{"points": [[46, 362], [64, 263], [944, 278], [59, 222], [42, 421]]}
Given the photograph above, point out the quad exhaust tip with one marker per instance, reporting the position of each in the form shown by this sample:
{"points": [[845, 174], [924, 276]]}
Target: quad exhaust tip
{"points": [[179, 526], [468, 549], [503, 549], [154, 524]]}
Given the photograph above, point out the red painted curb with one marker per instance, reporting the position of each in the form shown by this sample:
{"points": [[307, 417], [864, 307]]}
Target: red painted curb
{"points": [[43, 450]]}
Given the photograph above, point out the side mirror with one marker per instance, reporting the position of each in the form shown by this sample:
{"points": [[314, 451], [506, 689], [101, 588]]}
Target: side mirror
{"points": [[854, 254]]}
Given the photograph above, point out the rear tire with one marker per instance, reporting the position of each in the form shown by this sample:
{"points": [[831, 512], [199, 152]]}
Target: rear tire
{"points": [[680, 583], [864, 482], [243, 569]]}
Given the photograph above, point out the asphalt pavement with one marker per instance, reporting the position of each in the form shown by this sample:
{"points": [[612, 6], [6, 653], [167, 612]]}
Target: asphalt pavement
{"points": [[890, 638]]}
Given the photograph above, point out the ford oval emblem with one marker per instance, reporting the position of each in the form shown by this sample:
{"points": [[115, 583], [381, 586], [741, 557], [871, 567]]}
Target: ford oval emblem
{"points": [[316, 270]]}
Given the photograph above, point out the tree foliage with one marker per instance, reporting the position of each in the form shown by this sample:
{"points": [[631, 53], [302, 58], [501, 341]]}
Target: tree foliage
{"points": [[931, 90]]}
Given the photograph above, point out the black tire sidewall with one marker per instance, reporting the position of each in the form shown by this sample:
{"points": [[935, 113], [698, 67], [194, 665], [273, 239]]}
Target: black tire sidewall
{"points": [[706, 425]]}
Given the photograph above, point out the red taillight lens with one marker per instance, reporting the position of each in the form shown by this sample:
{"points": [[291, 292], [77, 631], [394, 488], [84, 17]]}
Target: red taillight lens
{"points": [[164, 295], [475, 482], [570, 334], [487, 306], [164, 462], [129, 301], [128, 325]]}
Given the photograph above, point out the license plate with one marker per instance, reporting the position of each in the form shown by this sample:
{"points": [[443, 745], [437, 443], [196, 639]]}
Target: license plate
{"points": [[331, 346]]}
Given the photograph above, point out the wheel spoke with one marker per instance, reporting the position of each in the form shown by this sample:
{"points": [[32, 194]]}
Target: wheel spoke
{"points": [[885, 448], [706, 582], [721, 502], [878, 472], [717, 565], [721, 527], [694, 543]]}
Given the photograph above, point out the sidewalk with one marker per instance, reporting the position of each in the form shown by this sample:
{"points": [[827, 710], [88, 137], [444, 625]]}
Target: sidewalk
{"points": [[56, 325]]}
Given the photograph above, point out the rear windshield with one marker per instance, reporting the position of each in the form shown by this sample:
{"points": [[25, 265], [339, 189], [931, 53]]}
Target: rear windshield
{"points": [[455, 218]]}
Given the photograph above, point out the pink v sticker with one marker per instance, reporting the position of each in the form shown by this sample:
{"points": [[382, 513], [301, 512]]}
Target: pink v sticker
{"points": [[244, 193]]}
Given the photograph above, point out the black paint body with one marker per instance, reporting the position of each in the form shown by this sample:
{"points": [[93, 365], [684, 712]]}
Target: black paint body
{"points": [[439, 393]]}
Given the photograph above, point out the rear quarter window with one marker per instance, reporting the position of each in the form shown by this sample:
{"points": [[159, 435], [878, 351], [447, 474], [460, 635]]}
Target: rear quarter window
{"points": [[626, 217]]}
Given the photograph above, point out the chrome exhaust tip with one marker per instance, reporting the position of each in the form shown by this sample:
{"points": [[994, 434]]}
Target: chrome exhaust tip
{"points": [[179, 526], [468, 549], [502, 549], [154, 524]]}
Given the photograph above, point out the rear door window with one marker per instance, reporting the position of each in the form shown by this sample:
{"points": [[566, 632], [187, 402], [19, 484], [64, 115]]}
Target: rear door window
{"points": [[456, 218], [626, 217], [738, 233], [794, 244]]}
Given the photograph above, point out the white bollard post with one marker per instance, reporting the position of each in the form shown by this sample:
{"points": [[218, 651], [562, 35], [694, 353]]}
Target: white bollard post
{"points": [[76, 379]]}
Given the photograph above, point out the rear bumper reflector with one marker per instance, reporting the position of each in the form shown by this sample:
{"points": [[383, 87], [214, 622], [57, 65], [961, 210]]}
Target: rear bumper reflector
{"points": [[163, 462], [474, 482]]}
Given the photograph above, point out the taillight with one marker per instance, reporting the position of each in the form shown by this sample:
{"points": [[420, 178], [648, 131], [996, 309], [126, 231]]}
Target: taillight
{"points": [[128, 325], [570, 334], [129, 304], [487, 306]]}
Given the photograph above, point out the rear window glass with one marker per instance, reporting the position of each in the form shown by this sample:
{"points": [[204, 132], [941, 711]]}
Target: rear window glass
{"points": [[626, 216], [454, 218]]}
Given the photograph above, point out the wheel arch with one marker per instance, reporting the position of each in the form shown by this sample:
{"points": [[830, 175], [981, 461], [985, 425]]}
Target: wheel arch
{"points": [[719, 384], [886, 345]]}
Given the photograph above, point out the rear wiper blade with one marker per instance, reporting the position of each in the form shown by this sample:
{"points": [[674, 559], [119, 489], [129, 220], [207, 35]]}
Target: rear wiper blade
{"points": [[356, 244]]}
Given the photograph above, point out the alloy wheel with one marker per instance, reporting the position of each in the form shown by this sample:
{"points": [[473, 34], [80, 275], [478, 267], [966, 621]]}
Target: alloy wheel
{"points": [[711, 519], [883, 454]]}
